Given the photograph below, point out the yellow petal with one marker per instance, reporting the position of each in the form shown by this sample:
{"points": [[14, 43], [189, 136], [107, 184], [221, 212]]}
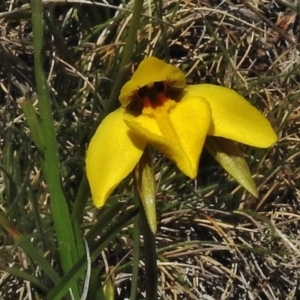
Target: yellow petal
{"points": [[190, 119], [149, 71], [112, 154], [234, 117]]}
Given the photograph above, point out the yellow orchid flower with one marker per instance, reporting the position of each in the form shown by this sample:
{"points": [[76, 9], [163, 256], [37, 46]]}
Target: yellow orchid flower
{"points": [[157, 107]]}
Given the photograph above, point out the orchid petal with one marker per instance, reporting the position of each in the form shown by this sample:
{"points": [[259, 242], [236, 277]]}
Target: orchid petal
{"points": [[190, 119], [112, 154], [149, 71], [234, 117]]}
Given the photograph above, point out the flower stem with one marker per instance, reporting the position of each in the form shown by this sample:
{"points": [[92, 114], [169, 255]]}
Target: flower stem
{"points": [[150, 257], [136, 250], [145, 184]]}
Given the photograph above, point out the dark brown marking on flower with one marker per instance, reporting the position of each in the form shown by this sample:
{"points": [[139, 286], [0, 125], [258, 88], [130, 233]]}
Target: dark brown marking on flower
{"points": [[153, 94]]}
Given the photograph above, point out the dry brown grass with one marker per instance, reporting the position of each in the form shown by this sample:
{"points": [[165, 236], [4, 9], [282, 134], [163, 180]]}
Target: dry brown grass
{"points": [[215, 241]]}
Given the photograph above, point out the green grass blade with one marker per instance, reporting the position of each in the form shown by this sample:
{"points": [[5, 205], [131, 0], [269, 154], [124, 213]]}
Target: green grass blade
{"points": [[81, 199], [30, 249], [62, 287], [21, 274], [51, 166], [33, 123], [106, 217]]}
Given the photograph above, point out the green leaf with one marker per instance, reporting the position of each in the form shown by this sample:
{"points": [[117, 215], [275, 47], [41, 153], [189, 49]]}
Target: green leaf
{"points": [[229, 156], [67, 239]]}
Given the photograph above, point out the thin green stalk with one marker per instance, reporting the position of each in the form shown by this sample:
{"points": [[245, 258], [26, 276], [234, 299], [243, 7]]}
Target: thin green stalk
{"points": [[81, 199], [146, 194], [150, 257], [136, 251], [106, 217], [51, 166]]}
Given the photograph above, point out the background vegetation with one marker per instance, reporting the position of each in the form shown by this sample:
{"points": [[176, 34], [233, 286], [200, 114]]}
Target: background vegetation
{"points": [[214, 240]]}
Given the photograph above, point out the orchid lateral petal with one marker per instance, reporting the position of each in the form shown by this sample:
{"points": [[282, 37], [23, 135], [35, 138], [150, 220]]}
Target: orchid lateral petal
{"points": [[112, 154], [229, 156], [234, 117], [152, 70], [190, 119]]}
